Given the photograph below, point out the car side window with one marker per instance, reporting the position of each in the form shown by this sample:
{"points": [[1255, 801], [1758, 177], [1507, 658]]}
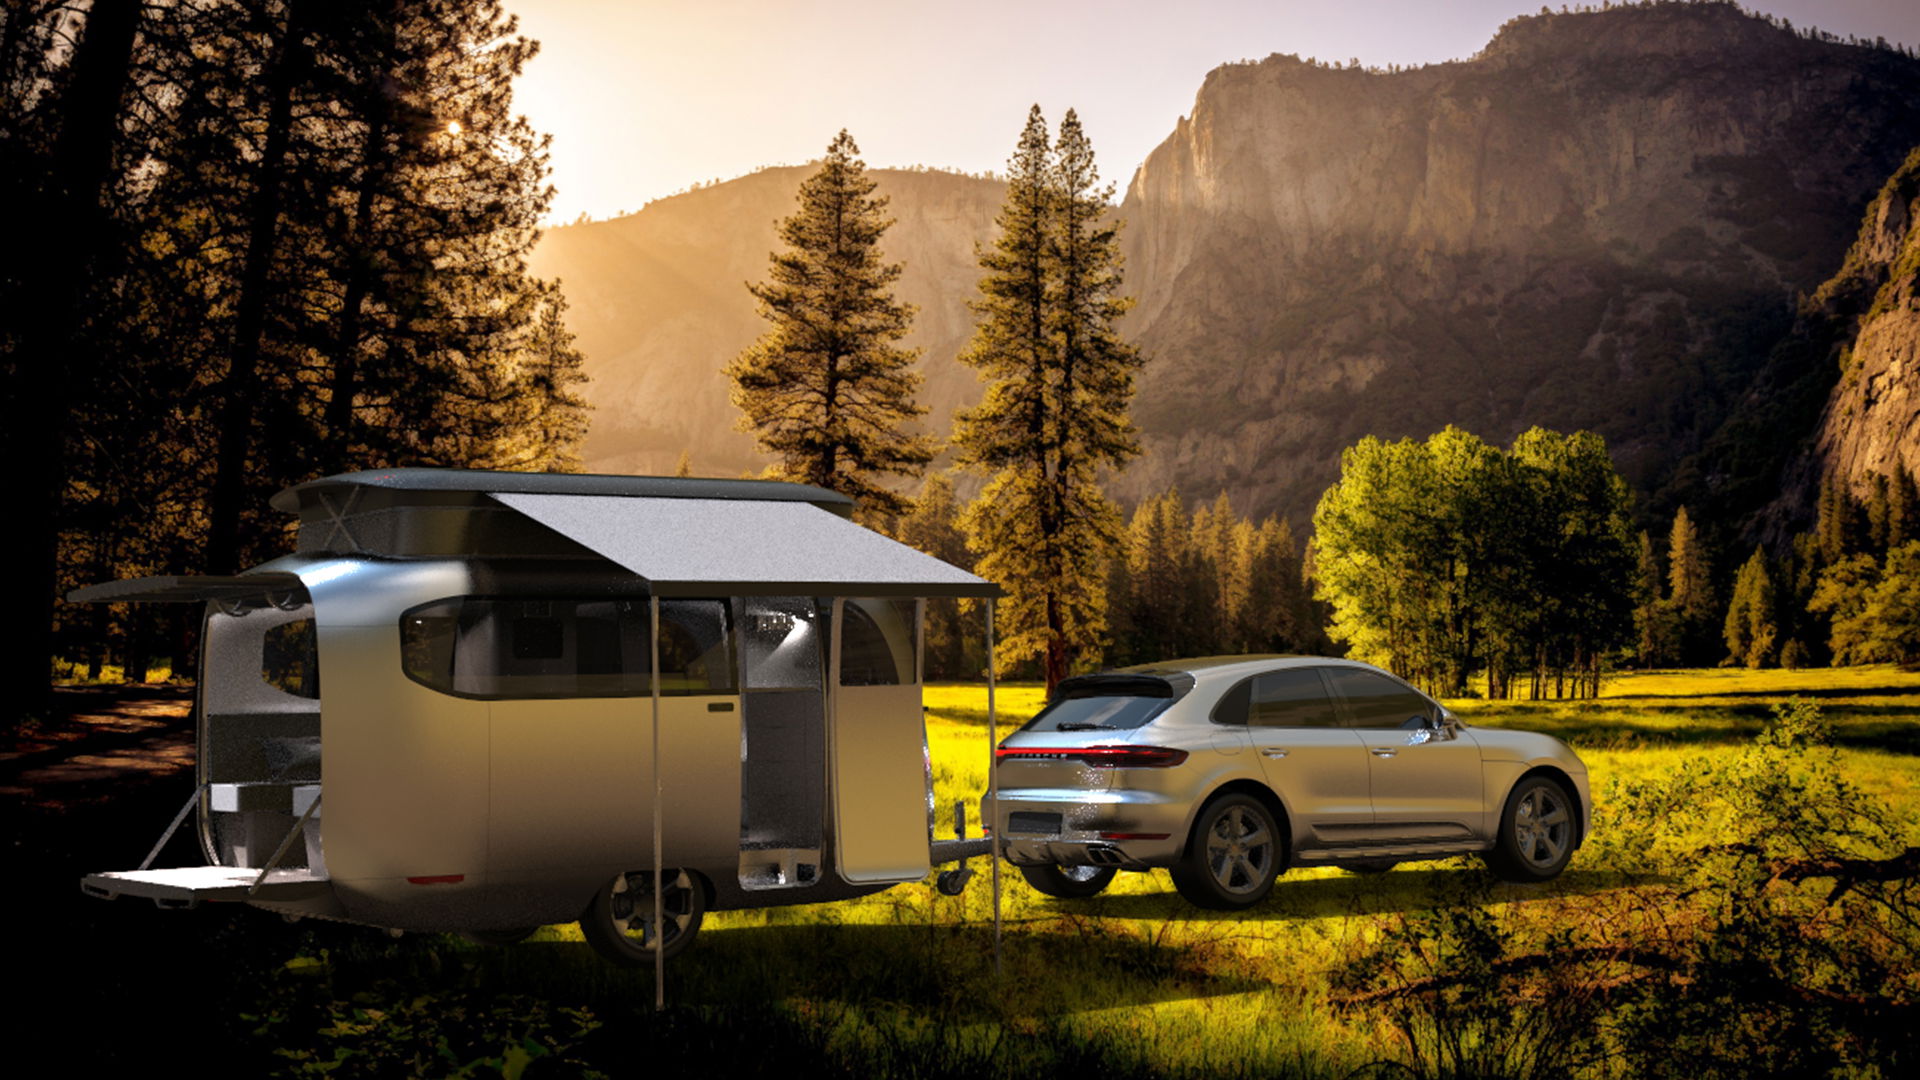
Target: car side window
{"points": [[1232, 707], [1375, 701], [1293, 698]]}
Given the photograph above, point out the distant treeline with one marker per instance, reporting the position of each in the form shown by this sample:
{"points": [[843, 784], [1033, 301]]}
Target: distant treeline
{"points": [[254, 243]]}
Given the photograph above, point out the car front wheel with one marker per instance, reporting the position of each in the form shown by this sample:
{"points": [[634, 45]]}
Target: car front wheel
{"points": [[1234, 855], [1068, 882], [1536, 832]]}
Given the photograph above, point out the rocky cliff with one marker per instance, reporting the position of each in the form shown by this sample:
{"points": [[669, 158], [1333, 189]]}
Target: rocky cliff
{"points": [[1871, 422], [659, 304], [1599, 222], [1602, 221]]}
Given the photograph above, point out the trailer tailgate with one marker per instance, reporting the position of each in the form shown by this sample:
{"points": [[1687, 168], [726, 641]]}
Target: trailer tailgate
{"points": [[183, 885]]}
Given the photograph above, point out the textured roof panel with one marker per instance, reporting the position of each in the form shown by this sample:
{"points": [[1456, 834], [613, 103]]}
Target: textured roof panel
{"points": [[687, 547]]}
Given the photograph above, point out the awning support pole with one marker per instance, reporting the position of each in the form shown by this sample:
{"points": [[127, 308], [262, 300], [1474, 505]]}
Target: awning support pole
{"points": [[659, 883], [993, 791]]}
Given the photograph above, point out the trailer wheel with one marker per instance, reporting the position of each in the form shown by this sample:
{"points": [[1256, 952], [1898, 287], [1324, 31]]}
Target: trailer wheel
{"points": [[619, 921]]}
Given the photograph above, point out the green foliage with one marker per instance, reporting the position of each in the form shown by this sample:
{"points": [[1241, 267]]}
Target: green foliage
{"points": [[1443, 558], [1212, 583], [1750, 629], [1054, 413], [1874, 606], [827, 389], [952, 631]]}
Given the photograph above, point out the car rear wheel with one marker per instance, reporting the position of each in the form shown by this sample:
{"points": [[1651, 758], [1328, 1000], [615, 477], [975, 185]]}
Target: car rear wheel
{"points": [[1068, 882], [1233, 856], [1536, 832]]}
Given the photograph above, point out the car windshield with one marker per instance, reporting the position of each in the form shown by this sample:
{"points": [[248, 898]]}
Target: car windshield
{"points": [[1111, 711]]}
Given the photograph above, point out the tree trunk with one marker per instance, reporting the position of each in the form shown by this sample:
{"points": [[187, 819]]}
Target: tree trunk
{"points": [[62, 237], [237, 389]]}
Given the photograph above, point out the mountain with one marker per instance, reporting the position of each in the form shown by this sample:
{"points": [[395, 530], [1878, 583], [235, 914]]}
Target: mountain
{"points": [[1872, 421], [1604, 220], [659, 304], [1601, 221]]}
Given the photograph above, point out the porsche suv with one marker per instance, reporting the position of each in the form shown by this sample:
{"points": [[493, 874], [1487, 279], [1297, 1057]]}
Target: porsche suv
{"points": [[1229, 770]]}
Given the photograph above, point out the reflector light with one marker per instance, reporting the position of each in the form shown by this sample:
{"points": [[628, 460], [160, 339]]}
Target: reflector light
{"points": [[1134, 835], [438, 879], [1100, 757]]}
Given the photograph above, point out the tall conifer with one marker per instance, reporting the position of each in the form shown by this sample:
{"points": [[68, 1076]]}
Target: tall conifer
{"points": [[1054, 413], [827, 389]]}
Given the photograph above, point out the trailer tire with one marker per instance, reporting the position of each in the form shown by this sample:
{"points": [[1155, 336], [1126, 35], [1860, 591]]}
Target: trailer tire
{"points": [[618, 923]]}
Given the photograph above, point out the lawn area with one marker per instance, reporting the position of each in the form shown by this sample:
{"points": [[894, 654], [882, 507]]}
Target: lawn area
{"points": [[1131, 983]]}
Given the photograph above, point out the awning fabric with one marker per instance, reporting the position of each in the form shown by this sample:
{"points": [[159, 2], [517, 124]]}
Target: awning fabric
{"points": [[725, 547]]}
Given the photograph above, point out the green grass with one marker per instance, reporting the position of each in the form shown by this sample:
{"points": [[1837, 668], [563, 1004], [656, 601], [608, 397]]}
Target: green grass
{"points": [[1134, 982]]}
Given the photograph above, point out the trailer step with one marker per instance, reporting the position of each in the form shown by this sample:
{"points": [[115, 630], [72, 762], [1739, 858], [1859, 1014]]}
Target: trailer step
{"points": [[187, 886]]}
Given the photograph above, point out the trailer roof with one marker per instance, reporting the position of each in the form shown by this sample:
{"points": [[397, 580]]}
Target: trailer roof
{"points": [[480, 481], [706, 547]]}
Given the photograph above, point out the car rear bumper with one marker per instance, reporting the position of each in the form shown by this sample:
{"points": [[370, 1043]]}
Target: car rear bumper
{"points": [[1067, 827]]}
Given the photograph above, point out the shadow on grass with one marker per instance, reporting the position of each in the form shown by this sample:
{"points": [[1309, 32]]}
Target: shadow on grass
{"points": [[948, 968], [1394, 892]]}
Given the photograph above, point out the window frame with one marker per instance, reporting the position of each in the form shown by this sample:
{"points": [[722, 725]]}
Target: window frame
{"points": [[725, 602]]}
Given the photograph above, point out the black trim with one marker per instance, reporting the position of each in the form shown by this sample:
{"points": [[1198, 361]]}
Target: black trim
{"points": [[265, 585], [484, 481]]}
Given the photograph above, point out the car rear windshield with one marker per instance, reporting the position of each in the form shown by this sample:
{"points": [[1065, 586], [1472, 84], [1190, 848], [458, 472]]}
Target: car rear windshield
{"points": [[1092, 703]]}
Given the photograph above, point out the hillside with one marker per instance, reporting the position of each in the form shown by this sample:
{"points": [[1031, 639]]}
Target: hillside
{"points": [[659, 304]]}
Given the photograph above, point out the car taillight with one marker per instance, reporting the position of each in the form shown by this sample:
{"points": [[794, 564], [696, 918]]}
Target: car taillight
{"points": [[1100, 757]]}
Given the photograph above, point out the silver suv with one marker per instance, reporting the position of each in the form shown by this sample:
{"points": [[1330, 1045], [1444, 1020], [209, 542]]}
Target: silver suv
{"points": [[1230, 769]]}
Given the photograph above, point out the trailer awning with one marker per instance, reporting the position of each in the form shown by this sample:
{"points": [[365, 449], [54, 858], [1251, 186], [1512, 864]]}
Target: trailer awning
{"points": [[707, 547], [268, 586]]}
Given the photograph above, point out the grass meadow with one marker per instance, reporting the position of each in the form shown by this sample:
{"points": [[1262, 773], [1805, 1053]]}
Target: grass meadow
{"points": [[1432, 969]]}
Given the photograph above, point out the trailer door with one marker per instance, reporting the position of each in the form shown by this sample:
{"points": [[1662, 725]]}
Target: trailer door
{"points": [[881, 777]]}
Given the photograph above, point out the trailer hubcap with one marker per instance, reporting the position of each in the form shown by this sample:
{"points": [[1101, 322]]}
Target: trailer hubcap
{"points": [[633, 906]]}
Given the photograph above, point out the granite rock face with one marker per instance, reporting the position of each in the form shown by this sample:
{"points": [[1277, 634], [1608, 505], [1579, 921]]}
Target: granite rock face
{"points": [[1599, 222], [1872, 420]]}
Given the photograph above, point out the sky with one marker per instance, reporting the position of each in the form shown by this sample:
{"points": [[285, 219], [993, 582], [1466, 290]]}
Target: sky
{"points": [[644, 98]]}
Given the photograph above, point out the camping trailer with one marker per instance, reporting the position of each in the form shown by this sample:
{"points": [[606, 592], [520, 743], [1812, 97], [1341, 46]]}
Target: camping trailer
{"points": [[486, 702]]}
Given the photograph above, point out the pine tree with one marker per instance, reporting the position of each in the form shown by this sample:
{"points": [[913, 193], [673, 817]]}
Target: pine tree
{"points": [[1650, 619], [1054, 412], [933, 527], [1903, 502], [1750, 629], [827, 389], [1689, 586]]}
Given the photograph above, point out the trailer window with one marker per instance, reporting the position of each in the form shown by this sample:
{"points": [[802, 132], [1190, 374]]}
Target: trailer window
{"points": [[498, 647], [876, 643], [290, 658]]}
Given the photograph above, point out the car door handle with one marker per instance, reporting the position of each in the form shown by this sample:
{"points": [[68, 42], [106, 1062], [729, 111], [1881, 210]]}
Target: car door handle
{"points": [[1274, 751], [1384, 751]]}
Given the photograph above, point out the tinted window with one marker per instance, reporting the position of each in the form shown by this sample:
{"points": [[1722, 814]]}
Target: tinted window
{"points": [[1104, 712], [1234, 704], [545, 648], [1292, 698], [1376, 701]]}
